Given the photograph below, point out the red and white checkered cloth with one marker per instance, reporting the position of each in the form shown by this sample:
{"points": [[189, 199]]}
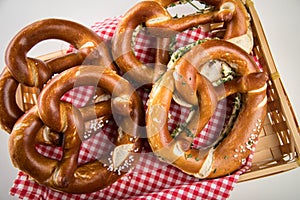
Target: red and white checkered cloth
{"points": [[151, 178]]}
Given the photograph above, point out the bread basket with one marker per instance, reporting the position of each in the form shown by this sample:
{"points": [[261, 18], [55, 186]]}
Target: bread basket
{"points": [[279, 142]]}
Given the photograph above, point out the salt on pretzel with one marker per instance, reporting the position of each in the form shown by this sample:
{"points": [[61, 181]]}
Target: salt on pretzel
{"points": [[230, 152], [35, 72], [11, 110], [162, 25], [94, 116], [65, 174]]}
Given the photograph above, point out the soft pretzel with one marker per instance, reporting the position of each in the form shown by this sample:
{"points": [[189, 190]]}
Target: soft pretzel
{"points": [[237, 26], [66, 175], [35, 72], [160, 24], [94, 116], [238, 30], [230, 152], [11, 111]]}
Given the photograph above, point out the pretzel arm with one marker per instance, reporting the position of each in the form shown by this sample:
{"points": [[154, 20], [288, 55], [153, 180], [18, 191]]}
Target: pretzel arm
{"points": [[35, 72], [9, 108]]}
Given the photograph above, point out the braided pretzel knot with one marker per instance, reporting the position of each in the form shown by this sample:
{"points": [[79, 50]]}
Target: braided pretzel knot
{"points": [[34, 72], [65, 174], [230, 152], [161, 25]]}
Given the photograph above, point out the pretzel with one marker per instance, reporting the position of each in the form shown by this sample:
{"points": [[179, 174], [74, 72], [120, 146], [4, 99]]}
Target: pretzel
{"points": [[237, 29], [65, 175], [11, 110], [94, 116], [230, 152], [161, 25], [35, 72]]}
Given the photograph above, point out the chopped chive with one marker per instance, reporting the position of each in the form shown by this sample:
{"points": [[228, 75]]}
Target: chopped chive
{"points": [[189, 156]]}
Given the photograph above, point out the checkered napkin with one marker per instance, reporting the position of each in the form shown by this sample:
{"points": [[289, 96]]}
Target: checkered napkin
{"points": [[151, 178]]}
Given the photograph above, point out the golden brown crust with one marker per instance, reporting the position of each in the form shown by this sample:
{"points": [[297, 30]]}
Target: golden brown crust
{"points": [[190, 64], [64, 124], [121, 43], [231, 153], [232, 12], [236, 26], [66, 175], [240, 21], [161, 25], [9, 109], [35, 72]]}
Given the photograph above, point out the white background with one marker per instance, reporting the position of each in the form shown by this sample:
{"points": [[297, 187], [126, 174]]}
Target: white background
{"points": [[280, 20]]}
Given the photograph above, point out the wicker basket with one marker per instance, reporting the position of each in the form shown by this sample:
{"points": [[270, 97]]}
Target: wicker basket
{"points": [[279, 142]]}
